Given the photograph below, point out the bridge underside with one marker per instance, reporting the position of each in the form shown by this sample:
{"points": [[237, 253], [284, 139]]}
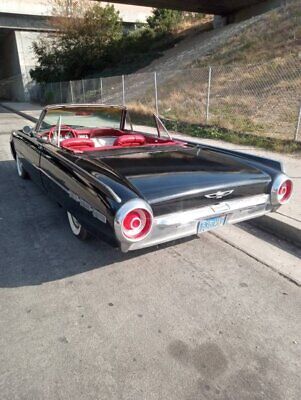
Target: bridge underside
{"points": [[218, 7], [25, 22]]}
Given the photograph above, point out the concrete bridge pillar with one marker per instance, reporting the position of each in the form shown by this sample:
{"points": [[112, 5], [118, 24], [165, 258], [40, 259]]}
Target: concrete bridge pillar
{"points": [[219, 21]]}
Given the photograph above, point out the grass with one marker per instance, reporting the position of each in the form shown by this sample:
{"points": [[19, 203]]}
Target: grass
{"points": [[276, 35], [143, 115], [139, 57], [256, 99], [254, 103], [217, 133]]}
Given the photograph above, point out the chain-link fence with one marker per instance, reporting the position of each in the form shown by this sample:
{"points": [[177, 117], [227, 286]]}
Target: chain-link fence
{"points": [[260, 99], [12, 88]]}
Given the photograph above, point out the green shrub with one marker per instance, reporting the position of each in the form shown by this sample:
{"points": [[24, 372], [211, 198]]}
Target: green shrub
{"points": [[164, 20], [84, 45]]}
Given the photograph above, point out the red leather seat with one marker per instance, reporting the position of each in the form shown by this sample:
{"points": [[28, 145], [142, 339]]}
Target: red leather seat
{"points": [[130, 140], [80, 144], [105, 132]]}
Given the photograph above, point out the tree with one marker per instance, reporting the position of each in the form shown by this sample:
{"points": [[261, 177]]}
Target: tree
{"points": [[87, 33], [164, 20]]}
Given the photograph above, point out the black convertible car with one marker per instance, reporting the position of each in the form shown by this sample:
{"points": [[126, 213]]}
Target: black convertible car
{"points": [[135, 187]]}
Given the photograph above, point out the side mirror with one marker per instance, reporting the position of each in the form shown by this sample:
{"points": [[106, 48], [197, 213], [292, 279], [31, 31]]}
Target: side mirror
{"points": [[27, 130]]}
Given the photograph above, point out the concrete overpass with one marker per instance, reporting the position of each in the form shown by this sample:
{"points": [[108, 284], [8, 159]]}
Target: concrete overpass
{"points": [[216, 7], [23, 22]]}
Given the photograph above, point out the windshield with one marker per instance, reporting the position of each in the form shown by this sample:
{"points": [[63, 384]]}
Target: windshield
{"points": [[82, 117], [150, 124]]}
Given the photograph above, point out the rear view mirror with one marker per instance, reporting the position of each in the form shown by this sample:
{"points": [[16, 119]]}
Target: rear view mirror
{"points": [[27, 130]]}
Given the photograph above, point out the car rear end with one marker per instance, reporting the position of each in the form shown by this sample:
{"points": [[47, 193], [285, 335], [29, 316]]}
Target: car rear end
{"points": [[186, 192], [137, 227]]}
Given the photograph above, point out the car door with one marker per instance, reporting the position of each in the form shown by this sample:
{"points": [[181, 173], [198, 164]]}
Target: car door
{"points": [[68, 186], [28, 148]]}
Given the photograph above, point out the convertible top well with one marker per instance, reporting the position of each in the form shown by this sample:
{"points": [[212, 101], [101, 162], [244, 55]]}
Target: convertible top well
{"points": [[77, 129]]}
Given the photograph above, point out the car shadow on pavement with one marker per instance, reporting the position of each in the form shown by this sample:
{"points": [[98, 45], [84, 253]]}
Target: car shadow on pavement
{"points": [[270, 238], [37, 245]]}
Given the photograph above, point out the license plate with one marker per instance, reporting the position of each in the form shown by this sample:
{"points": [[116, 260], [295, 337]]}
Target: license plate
{"points": [[211, 223]]}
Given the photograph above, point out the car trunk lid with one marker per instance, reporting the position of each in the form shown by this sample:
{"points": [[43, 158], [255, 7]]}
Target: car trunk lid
{"points": [[177, 178]]}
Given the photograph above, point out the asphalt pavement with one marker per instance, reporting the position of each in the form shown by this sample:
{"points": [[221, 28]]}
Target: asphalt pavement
{"points": [[199, 319]]}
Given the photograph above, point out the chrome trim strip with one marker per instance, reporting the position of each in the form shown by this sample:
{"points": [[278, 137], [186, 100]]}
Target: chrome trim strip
{"points": [[199, 191], [205, 212], [52, 179], [182, 224], [111, 191], [97, 214]]}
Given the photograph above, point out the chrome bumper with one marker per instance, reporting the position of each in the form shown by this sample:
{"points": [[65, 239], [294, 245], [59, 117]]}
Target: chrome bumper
{"points": [[182, 224]]}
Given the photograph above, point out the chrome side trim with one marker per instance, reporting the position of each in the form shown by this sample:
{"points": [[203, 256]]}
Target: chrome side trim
{"points": [[53, 180], [78, 199], [182, 224], [111, 191]]}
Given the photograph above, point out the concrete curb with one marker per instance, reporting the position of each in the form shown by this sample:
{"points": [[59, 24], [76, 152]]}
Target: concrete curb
{"points": [[281, 226]]}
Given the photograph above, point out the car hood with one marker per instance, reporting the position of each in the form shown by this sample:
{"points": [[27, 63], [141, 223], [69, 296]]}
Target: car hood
{"points": [[173, 178]]}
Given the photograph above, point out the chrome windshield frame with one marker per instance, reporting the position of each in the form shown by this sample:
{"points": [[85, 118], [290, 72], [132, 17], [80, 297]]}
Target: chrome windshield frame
{"points": [[58, 107]]}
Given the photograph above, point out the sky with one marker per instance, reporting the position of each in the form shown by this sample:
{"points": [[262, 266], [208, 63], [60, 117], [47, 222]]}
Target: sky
{"points": [[43, 7], [132, 13]]}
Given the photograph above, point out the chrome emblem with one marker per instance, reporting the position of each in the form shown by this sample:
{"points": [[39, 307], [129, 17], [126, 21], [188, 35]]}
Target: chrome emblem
{"points": [[219, 195]]}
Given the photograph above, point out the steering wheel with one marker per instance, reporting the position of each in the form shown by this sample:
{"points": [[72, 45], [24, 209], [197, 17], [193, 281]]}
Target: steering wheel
{"points": [[64, 129]]}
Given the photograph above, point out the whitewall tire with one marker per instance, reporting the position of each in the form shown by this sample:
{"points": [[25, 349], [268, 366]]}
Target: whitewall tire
{"points": [[77, 229], [20, 169]]}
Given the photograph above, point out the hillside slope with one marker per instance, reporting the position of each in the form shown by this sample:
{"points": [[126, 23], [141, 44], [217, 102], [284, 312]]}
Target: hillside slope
{"points": [[272, 35], [255, 76], [255, 71]]}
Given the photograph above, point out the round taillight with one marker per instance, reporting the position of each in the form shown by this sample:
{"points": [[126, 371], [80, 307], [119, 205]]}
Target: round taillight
{"points": [[285, 191], [136, 224]]}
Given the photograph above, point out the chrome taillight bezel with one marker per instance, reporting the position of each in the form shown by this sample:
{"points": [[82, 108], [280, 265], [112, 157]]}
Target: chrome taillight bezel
{"points": [[124, 210], [278, 182]]}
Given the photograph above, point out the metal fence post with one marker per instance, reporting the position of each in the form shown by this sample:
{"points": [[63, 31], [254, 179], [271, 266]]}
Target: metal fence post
{"points": [[84, 93], [101, 89], [298, 125], [61, 92], [123, 91], [208, 95], [71, 92], [51, 92], [156, 93]]}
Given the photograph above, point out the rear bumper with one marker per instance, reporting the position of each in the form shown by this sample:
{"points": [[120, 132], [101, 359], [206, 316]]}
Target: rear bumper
{"points": [[182, 224]]}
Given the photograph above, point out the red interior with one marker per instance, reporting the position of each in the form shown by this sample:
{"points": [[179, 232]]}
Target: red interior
{"points": [[78, 144], [82, 139], [130, 140]]}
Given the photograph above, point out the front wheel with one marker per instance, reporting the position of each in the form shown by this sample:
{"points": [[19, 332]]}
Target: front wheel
{"points": [[77, 229], [21, 171]]}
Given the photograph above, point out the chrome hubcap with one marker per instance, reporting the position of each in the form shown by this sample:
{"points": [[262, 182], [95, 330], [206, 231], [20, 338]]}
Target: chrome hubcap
{"points": [[74, 224], [19, 166]]}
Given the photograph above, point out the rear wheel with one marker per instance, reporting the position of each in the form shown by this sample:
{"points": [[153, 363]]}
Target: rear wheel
{"points": [[77, 229], [20, 169]]}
